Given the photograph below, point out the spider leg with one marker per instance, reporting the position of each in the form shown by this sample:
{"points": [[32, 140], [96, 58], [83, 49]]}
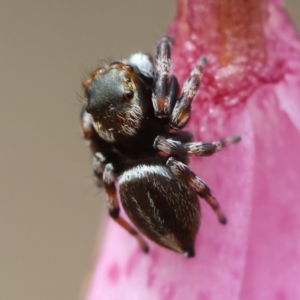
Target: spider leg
{"points": [[177, 148], [105, 172], [165, 84], [101, 149], [95, 143], [113, 205], [197, 185], [87, 124], [181, 112], [173, 92]]}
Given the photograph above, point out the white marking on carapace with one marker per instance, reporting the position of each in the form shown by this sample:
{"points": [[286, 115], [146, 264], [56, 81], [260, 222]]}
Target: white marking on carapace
{"points": [[87, 121], [107, 135], [132, 117], [143, 62]]}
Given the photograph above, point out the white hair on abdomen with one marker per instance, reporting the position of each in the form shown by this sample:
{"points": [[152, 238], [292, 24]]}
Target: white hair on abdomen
{"points": [[141, 171]]}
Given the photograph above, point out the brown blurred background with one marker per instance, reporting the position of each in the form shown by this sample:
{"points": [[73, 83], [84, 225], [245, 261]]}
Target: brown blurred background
{"points": [[50, 210]]}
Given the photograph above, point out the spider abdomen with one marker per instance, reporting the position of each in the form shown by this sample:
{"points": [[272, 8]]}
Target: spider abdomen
{"points": [[161, 206]]}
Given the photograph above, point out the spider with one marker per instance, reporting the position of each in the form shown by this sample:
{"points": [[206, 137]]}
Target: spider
{"points": [[132, 119]]}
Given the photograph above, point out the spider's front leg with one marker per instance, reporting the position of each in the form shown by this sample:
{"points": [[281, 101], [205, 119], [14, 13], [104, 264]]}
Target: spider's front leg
{"points": [[184, 173], [181, 112], [165, 84], [113, 204]]}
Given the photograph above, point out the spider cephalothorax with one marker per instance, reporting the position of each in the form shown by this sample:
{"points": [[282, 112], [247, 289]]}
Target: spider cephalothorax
{"points": [[132, 118], [114, 101]]}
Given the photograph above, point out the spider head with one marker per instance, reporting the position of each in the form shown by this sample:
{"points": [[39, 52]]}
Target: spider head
{"points": [[110, 88], [113, 100]]}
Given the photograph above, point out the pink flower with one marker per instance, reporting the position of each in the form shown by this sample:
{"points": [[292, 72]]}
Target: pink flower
{"points": [[251, 87]]}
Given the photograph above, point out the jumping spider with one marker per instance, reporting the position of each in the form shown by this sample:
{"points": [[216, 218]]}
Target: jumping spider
{"points": [[132, 119]]}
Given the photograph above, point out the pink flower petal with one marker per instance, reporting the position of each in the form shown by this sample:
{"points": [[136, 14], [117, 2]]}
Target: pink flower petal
{"points": [[273, 256], [124, 270], [251, 87]]}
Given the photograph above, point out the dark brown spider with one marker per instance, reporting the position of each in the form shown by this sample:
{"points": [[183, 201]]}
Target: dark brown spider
{"points": [[132, 117]]}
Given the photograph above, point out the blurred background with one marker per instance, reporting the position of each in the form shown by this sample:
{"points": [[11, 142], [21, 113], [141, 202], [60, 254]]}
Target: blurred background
{"points": [[50, 209]]}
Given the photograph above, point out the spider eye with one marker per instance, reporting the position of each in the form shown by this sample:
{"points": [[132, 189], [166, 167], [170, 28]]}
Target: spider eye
{"points": [[128, 95]]}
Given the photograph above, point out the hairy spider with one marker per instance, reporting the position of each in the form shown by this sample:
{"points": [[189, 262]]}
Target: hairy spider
{"points": [[131, 118]]}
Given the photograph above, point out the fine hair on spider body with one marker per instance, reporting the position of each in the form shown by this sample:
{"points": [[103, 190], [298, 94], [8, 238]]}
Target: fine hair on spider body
{"points": [[132, 120]]}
